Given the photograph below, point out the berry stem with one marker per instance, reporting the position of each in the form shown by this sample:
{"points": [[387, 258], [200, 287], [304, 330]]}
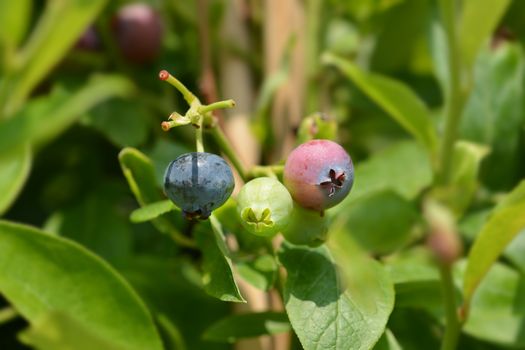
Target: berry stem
{"points": [[228, 150], [216, 105], [199, 143], [453, 326], [265, 170], [187, 94]]}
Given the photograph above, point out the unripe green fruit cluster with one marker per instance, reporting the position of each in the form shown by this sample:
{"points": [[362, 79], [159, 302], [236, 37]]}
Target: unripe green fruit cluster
{"points": [[317, 175]]}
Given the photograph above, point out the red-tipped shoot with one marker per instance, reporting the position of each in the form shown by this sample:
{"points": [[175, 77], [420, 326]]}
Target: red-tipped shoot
{"points": [[164, 75]]}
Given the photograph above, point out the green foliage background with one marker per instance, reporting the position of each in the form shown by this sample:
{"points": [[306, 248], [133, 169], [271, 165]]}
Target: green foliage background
{"points": [[81, 149]]}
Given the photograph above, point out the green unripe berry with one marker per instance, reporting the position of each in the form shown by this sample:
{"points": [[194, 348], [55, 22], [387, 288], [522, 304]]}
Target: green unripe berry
{"points": [[316, 126], [264, 206], [306, 227]]}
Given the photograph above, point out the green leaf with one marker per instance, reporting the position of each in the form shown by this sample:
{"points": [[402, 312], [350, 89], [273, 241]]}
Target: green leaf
{"points": [[44, 118], [97, 222], [505, 222], [326, 315], [218, 275], [172, 289], [14, 16], [416, 279], [259, 272], [388, 170], [394, 228], [61, 23], [59, 331], [140, 174], [172, 333], [464, 178], [152, 211], [387, 342], [401, 103], [494, 113], [515, 251], [14, 170], [72, 280], [252, 325], [499, 300], [479, 19], [125, 122]]}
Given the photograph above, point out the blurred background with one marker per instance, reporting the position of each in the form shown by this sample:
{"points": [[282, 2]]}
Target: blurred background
{"points": [[78, 82]]}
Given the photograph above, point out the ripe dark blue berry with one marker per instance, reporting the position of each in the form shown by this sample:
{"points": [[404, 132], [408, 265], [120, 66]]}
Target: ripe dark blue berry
{"points": [[198, 183], [319, 174]]}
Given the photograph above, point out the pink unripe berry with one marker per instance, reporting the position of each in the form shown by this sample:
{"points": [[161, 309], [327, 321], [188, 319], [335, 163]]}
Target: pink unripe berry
{"points": [[319, 174]]}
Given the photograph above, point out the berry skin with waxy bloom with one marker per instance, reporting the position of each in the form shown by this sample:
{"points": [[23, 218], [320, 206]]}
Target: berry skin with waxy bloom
{"points": [[319, 174], [264, 206], [198, 183]]}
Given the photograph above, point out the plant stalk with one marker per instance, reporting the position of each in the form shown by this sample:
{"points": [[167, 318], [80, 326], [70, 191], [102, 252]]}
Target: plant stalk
{"points": [[228, 150], [453, 326], [454, 96]]}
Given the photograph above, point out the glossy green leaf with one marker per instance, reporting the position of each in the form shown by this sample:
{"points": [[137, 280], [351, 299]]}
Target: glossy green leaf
{"points": [[46, 117], [140, 174], [14, 170], [259, 272], [387, 170], [218, 274], [72, 280], [499, 300], [505, 222], [323, 313], [401, 103], [59, 26], [14, 16], [478, 20], [152, 211], [381, 222], [494, 113], [59, 331], [251, 325]]}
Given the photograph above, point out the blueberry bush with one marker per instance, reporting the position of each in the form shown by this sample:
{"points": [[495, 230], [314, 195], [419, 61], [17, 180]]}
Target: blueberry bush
{"points": [[274, 175]]}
